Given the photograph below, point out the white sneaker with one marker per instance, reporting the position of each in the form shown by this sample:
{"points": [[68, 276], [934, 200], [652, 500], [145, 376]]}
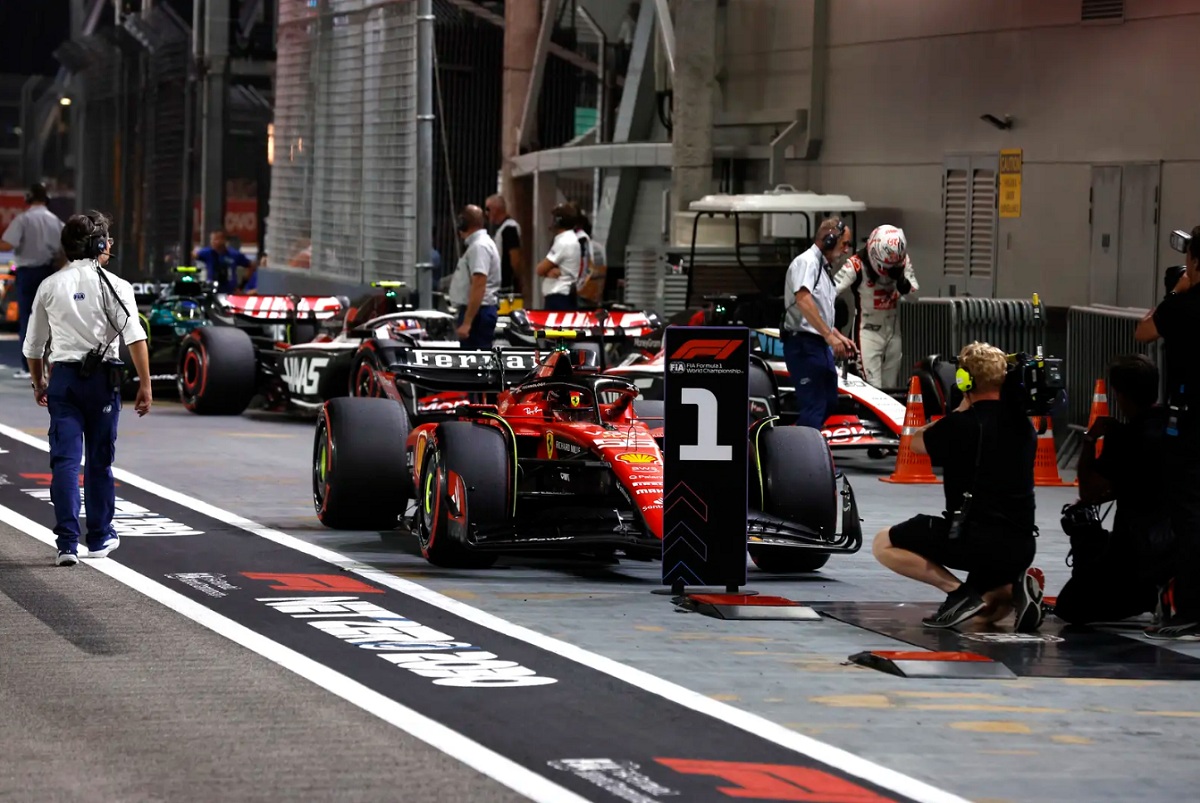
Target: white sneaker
{"points": [[22, 375], [66, 559], [107, 546]]}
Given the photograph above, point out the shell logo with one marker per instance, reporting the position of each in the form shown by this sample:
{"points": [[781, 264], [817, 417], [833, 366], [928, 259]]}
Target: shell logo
{"points": [[637, 457]]}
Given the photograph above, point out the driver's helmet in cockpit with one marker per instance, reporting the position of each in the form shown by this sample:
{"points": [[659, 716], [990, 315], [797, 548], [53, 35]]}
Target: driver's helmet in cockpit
{"points": [[571, 404]]}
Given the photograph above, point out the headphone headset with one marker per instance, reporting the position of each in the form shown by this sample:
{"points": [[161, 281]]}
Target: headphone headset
{"points": [[964, 380], [831, 238], [96, 241], [461, 223]]}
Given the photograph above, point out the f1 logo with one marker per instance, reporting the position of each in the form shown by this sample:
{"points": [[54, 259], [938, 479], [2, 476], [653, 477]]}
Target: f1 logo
{"points": [[716, 349]]}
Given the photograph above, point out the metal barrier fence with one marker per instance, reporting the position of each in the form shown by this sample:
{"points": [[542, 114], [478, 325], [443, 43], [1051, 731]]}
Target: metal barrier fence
{"points": [[344, 183], [1095, 335], [944, 325]]}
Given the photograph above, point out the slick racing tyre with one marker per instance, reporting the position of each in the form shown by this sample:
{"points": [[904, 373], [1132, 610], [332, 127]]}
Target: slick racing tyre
{"points": [[218, 371], [798, 485], [466, 475], [360, 480]]}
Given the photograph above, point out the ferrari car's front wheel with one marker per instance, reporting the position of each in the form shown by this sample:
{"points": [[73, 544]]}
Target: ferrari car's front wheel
{"points": [[218, 371], [359, 477], [798, 484], [465, 478]]}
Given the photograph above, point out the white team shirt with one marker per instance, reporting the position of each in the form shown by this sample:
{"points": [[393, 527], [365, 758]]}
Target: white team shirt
{"points": [[69, 313], [35, 235], [809, 270], [480, 256], [565, 254]]}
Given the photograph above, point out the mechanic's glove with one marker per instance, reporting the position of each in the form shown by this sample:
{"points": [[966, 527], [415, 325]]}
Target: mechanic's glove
{"points": [[903, 286]]}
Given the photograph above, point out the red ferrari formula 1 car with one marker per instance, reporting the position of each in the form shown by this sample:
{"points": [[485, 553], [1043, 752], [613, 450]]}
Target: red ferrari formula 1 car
{"points": [[568, 459]]}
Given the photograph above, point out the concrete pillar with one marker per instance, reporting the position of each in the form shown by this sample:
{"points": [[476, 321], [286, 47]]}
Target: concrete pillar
{"points": [[215, 99], [692, 110], [522, 21]]}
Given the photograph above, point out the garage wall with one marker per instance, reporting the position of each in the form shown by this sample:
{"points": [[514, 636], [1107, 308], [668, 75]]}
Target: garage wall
{"points": [[909, 80]]}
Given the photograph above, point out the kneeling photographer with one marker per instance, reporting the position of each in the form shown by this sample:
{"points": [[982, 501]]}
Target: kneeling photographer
{"points": [[1177, 321], [986, 448], [1116, 575]]}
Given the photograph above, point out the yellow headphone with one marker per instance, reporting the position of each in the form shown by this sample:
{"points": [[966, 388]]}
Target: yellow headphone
{"points": [[964, 380]]}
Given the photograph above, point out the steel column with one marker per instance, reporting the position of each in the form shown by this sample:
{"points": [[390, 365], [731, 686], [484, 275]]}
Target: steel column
{"points": [[425, 120], [213, 122]]}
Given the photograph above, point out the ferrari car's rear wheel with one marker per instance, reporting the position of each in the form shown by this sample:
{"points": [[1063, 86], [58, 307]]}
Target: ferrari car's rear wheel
{"points": [[359, 476], [798, 484], [465, 478], [364, 376], [218, 371]]}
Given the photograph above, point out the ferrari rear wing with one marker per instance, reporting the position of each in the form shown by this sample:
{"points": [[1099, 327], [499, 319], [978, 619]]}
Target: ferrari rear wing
{"points": [[461, 369]]}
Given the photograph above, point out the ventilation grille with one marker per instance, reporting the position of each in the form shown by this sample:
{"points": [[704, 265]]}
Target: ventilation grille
{"points": [[1102, 10]]}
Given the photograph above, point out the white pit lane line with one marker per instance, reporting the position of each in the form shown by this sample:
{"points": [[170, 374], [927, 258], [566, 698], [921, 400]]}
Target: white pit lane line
{"points": [[454, 744]]}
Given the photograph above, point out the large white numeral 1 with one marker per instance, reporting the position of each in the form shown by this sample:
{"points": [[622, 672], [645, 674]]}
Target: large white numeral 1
{"points": [[706, 446]]}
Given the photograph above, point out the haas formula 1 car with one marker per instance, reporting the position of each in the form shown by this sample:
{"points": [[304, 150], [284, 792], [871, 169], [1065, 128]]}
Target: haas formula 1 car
{"points": [[568, 459], [334, 349]]}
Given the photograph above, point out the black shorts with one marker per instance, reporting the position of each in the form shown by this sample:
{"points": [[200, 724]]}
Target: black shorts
{"points": [[991, 558]]}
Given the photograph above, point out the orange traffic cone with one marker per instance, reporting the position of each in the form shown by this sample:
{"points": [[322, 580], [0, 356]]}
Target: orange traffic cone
{"points": [[1045, 466], [912, 468], [1099, 410]]}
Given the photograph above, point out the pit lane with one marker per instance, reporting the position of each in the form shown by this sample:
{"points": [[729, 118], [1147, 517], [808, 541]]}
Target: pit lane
{"points": [[1029, 739]]}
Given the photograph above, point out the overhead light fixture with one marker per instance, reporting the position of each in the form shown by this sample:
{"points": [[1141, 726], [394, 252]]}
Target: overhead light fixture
{"points": [[271, 144], [64, 101]]}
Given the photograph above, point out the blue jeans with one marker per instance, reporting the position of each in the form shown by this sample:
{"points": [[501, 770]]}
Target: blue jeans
{"points": [[29, 279], [483, 328], [83, 419], [810, 362]]}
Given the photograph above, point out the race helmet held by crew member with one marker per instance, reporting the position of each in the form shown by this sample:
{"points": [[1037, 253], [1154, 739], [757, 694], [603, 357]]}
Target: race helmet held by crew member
{"points": [[887, 250]]}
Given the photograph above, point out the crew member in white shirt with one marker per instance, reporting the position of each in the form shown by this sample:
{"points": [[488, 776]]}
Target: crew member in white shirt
{"points": [[82, 311], [33, 237], [810, 341], [475, 285], [560, 269]]}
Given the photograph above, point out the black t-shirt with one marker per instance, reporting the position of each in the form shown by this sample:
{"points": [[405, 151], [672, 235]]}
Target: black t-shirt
{"points": [[1002, 494], [1178, 321], [1133, 460], [510, 239]]}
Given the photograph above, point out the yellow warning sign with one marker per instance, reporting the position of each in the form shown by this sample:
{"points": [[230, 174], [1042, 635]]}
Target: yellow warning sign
{"points": [[1010, 183]]}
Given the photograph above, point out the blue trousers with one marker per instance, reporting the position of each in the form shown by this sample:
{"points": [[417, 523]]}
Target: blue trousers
{"points": [[483, 328], [29, 279], [560, 301], [810, 362], [83, 419]]}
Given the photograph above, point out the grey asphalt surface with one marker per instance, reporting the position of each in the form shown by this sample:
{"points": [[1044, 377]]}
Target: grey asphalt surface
{"points": [[106, 695], [1031, 739]]}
